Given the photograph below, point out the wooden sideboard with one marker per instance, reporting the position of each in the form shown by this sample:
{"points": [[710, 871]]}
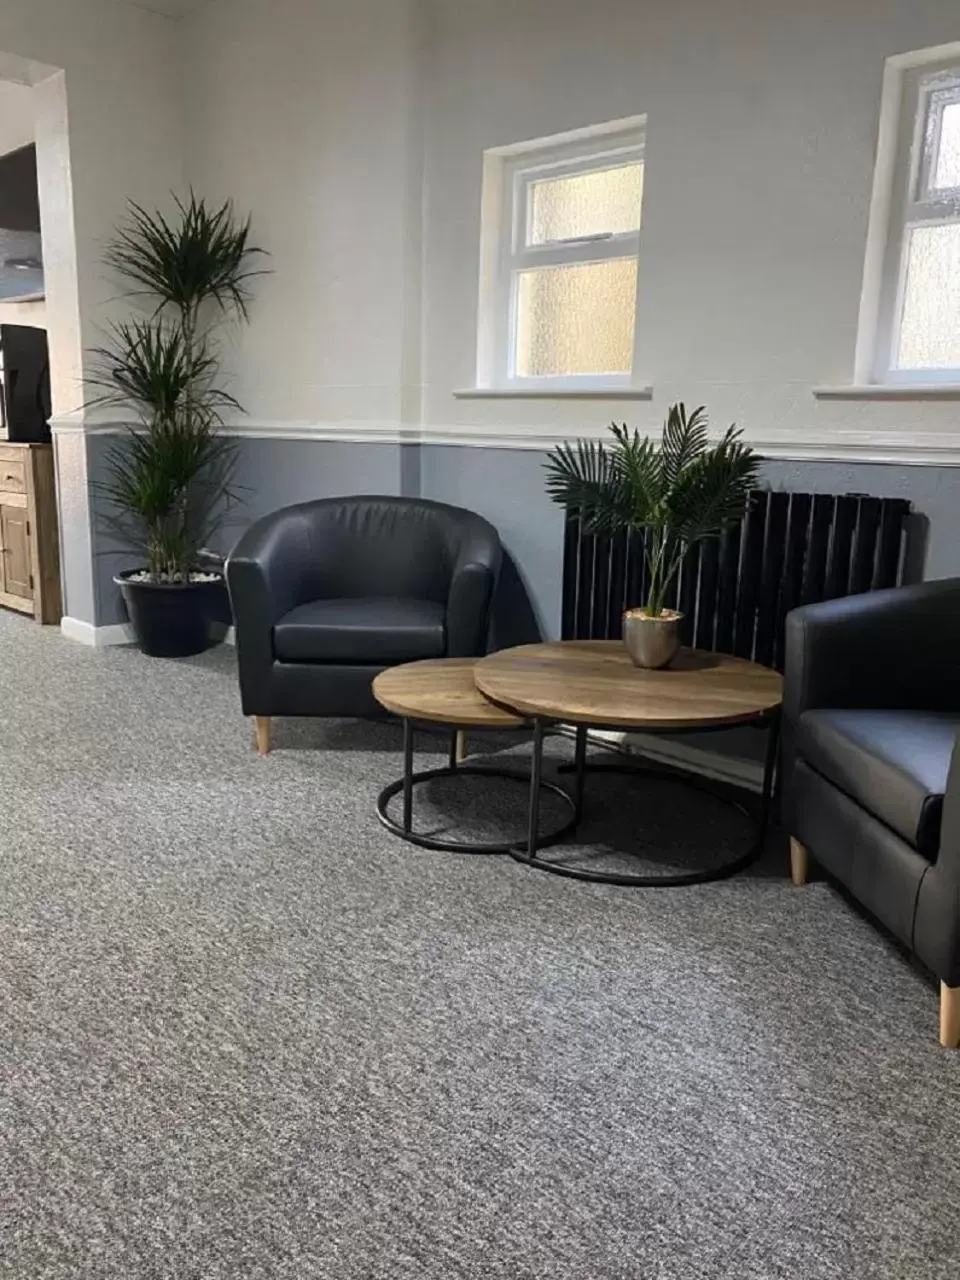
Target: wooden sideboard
{"points": [[29, 539]]}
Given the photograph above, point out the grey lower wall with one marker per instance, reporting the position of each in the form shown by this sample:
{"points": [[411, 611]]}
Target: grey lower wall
{"points": [[506, 486]]}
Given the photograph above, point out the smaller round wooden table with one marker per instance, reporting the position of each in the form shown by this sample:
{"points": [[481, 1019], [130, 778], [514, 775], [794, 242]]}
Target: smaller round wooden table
{"points": [[594, 684], [442, 691]]}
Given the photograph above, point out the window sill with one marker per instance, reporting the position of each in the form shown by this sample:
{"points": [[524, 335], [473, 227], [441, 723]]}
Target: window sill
{"points": [[891, 391], [554, 393]]}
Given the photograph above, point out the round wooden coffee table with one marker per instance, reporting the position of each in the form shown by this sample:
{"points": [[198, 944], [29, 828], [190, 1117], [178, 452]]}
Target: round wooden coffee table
{"points": [[593, 684], [442, 691]]}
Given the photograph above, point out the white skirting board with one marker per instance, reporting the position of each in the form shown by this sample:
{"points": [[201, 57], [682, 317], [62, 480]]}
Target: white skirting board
{"points": [[96, 637], [101, 637]]}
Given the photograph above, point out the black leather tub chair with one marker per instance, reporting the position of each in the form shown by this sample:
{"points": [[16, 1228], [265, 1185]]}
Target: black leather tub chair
{"points": [[871, 776], [327, 594]]}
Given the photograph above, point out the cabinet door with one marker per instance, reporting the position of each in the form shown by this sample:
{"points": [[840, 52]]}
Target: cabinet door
{"points": [[15, 542]]}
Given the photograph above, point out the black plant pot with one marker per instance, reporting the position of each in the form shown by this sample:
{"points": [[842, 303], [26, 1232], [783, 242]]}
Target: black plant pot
{"points": [[170, 620]]}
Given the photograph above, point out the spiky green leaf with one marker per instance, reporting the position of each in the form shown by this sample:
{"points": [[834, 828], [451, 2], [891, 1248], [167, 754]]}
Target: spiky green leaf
{"points": [[204, 254]]}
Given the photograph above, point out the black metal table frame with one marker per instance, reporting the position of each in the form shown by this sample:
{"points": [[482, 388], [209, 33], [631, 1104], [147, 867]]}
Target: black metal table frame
{"points": [[580, 767], [456, 768]]}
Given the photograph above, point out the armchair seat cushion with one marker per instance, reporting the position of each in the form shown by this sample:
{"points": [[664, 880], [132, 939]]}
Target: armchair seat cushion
{"points": [[377, 631], [892, 763]]}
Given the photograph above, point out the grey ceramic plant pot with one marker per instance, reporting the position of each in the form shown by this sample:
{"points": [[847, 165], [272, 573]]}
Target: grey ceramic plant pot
{"points": [[651, 642]]}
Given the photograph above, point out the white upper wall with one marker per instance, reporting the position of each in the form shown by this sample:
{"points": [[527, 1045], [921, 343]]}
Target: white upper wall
{"points": [[328, 118], [301, 113], [16, 116]]}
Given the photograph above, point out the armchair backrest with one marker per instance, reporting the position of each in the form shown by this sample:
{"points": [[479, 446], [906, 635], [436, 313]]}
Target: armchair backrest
{"points": [[382, 546]]}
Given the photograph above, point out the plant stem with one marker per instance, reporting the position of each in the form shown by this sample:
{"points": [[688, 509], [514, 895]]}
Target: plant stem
{"points": [[664, 566], [654, 563]]}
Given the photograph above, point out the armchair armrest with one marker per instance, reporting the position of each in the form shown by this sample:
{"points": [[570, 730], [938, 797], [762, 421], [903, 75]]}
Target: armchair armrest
{"points": [[472, 585], [898, 648], [265, 568], [936, 928], [265, 575]]}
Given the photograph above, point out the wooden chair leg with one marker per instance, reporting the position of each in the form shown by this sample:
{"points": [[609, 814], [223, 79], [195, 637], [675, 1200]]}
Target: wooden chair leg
{"points": [[949, 1016], [799, 862], [261, 726], [462, 751]]}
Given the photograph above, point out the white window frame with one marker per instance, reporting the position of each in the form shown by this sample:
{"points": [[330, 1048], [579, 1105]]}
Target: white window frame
{"points": [[509, 173], [916, 90]]}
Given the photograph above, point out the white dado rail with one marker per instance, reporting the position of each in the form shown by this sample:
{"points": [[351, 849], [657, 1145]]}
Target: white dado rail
{"points": [[940, 448]]}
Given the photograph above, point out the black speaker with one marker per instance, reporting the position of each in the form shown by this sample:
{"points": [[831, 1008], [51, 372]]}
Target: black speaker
{"points": [[24, 384]]}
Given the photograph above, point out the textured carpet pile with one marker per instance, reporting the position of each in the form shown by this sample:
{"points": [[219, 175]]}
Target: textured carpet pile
{"points": [[246, 1033]]}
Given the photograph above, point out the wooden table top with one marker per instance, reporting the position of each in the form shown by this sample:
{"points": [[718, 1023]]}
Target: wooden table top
{"points": [[593, 682], [441, 690]]}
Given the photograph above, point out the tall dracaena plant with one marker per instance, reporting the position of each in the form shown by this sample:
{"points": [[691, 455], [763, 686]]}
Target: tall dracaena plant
{"points": [[678, 491], [170, 480]]}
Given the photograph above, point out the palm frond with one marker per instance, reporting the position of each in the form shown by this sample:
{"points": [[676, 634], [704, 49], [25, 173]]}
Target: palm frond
{"points": [[635, 464], [684, 439], [713, 490], [682, 489], [582, 478]]}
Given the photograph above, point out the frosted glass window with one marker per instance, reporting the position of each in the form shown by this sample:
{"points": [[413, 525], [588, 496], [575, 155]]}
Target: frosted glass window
{"points": [[948, 156], [930, 326], [560, 241], [585, 204], [576, 320]]}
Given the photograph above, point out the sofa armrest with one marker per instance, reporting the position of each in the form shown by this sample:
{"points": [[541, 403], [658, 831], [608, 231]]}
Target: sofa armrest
{"points": [[897, 648], [472, 585]]}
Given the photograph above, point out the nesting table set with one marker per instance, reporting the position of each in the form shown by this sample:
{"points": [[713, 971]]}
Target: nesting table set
{"points": [[584, 685]]}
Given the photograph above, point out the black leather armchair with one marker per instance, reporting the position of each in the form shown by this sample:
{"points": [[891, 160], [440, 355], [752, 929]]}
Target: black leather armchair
{"points": [[327, 594], [870, 771]]}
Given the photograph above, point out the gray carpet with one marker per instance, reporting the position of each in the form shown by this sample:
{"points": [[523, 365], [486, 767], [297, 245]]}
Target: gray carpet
{"points": [[244, 1032]]}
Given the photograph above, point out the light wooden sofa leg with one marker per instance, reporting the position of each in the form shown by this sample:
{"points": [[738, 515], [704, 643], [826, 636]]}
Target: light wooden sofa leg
{"points": [[262, 729], [799, 862], [462, 751], [949, 1016]]}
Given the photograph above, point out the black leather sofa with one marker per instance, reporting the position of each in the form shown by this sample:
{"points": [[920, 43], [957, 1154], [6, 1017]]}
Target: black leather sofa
{"points": [[870, 786], [326, 594]]}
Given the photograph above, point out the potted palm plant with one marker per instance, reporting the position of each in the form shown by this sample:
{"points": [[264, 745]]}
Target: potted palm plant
{"points": [[170, 480], [678, 492]]}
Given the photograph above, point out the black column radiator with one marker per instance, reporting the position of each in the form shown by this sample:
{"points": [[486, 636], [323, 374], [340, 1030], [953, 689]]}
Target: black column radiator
{"points": [[736, 590]]}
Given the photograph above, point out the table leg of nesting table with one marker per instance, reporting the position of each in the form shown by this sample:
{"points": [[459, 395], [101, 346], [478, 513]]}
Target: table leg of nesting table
{"points": [[580, 767], [407, 776], [536, 772]]}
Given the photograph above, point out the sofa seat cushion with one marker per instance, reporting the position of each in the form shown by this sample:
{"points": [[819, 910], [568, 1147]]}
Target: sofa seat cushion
{"points": [[893, 763], [375, 631]]}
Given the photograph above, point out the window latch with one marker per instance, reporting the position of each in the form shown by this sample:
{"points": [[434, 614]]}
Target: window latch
{"points": [[600, 235]]}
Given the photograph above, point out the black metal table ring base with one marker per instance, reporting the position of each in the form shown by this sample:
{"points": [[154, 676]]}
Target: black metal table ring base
{"points": [[668, 880], [639, 880], [467, 846]]}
